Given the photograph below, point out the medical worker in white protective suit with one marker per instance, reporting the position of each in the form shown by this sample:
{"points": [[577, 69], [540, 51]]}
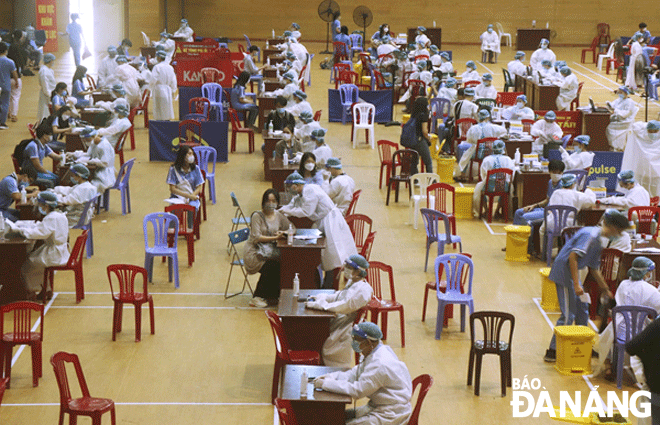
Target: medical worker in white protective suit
{"points": [[128, 76], [490, 45], [477, 132], [634, 194], [163, 87], [624, 109], [185, 31], [546, 130], [168, 45], [380, 376], [581, 158], [74, 197], [340, 186], [498, 159], [101, 154], [541, 54], [642, 155], [568, 89], [346, 303]]}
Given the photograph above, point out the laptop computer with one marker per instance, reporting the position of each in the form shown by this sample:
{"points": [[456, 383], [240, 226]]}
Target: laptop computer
{"points": [[597, 109]]}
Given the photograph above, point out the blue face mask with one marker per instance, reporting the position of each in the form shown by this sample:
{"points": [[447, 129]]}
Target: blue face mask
{"points": [[577, 149], [355, 345], [622, 96], [73, 180], [64, 93], [280, 110], [43, 211]]}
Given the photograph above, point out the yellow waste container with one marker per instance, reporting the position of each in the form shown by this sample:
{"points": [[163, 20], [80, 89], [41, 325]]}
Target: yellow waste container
{"points": [[516, 243], [574, 345], [464, 202], [549, 300], [405, 118], [366, 79]]}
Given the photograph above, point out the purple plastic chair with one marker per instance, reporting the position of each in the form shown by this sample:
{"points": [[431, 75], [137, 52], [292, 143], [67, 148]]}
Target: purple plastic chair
{"points": [[433, 233], [439, 111], [454, 268], [85, 224], [581, 178], [634, 317], [161, 222], [348, 94], [121, 184], [206, 154], [213, 92], [560, 216]]}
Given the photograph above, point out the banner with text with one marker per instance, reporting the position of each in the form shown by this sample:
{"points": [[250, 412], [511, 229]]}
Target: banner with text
{"points": [[188, 68], [569, 121], [47, 21], [164, 139], [606, 165]]}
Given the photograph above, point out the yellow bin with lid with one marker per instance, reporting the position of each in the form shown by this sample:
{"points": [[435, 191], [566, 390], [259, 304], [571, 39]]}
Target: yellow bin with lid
{"points": [[464, 202], [574, 345], [445, 163], [405, 118], [516, 242], [549, 301]]}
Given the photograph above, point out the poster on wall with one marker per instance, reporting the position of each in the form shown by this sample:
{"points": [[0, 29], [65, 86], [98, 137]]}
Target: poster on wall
{"points": [[47, 21]]}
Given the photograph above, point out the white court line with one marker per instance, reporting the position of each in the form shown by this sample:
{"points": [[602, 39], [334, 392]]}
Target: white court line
{"points": [[147, 404], [276, 418], [491, 72], [34, 329], [589, 78], [491, 230]]}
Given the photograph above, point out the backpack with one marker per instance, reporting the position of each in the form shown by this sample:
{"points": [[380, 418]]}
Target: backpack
{"points": [[18, 151], [409, 134]]}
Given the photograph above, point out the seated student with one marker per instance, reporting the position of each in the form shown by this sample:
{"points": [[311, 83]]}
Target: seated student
{"points": [[519, 111], [568, 196], [185, 179], [356, 294], [75, 196], [308, 169], [291, 85], [635, 194], [634, 291], [465, 108], [380, 376], [470, 73], [340, 186], [118, 126], [582, 251], [78, 89], [101, 154], [249, 64], [54, 231], [498, 159], [516, 66], [299, 104], [467, 150], [485, 90], [34, 154], [624, 109], [343, 37], [279, 116], [60, 123], [580, 159], [243, 103], [304, 131], [10, 191], [546, 130], [266, 227], [532, 214], [59, 96], [322, 151], [289, 144], [568, 88]]}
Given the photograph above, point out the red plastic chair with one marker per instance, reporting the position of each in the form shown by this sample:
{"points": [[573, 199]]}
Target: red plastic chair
{"points": [[209, 75], [380, 83], [285, 412], [351, 207], [594, 48], [237, 128], [421, 57], [430, 286], [603, 33], [341, 51], [74, 264], [337, 68], [190, 133], [507, 98], [126, 275], [368, 245], [503, 179], [360, 226], [444, 196], [655, 201], [417, 88], [471, 83], [484, 148], [608, 259], [84, 406], [90, 82], [182, 211], [385, 151], [379, 306], [31, 129], [317, 115], [143, 108], [3, 387], [131, 131], [200, 106], [645, 216], [575, 103], [202, 201], [119, 148], [346, 76], [283, 354], [22, 335], [462, 127], [403, 159], [424, 382]]}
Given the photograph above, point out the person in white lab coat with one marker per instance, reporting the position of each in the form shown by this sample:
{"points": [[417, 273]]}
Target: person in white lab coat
{"points": [[447, 91], [541, 54], [75, 196], [128, 77], [642, 155], [340, 186], [470, 73], [498, 159], [422, 74], [635, 194], [311, 201], [519, 111], [546, 130], [380, 376], [54, 231], [168, 45], [322, 152], [467, 150], [295, 30], [304, 131], [290, 87], [516, 66], [637, 60], [47, 84], [568, 89], [163, 86], [185, 31], [624, 109], [465, 107], [101, 154], [568, 196], [299, 104], [580, 159], [490, 45], [485, 90], [446, 67], [421, 38], [107, 67], [121, 124], [356, 294]]}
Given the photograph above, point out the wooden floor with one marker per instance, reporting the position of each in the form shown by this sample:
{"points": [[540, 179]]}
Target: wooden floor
{"points": [[211, 359]]}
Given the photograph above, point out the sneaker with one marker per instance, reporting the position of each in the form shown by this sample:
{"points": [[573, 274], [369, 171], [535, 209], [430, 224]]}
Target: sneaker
{"points": [[3, 126], [550, 355], [258, 302], [28, 73]]}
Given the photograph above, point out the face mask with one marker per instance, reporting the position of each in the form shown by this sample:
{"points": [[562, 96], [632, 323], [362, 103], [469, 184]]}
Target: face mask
{"points": [[577, 149], [647, 278], [280, 111], [490, 30], [487, 83], [64, 93], [555, 178], [190, 159], [286, 136], [270, 205], [310, 166], [73, 180], [355, 345], [348, 274], [622, 96], [544, 47], [43, 211], [520, 105]]}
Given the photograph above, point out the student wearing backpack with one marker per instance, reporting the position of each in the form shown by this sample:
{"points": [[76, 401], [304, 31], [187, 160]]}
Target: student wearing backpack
{"points": [[419, 140], [10, 191]]}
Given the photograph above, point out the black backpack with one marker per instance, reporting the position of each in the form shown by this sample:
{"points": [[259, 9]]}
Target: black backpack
{"points": [[409, 134], [18, 151]]}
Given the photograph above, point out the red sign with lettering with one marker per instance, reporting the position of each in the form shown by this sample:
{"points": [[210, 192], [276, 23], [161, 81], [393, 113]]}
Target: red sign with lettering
{"points": [[194, 48], [47, 21], [569, 121], [188, 67]]}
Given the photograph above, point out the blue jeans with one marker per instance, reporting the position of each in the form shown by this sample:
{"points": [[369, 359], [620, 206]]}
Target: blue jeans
{"points": [[4, 106], [460, 150], [646, 51], [572, 310], [76, 53], [522, 218]]}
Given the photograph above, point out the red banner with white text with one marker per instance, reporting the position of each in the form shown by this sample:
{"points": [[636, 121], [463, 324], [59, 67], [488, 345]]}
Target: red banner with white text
{"points": [[569, 121], [47, 21]]}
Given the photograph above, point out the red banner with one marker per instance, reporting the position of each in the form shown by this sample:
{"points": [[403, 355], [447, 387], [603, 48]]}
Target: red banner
{"points": [[194, 49], [188, 67], [569, 121], [47, 21]]}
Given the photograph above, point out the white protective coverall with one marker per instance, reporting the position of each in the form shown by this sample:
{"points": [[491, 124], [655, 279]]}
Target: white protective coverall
{"points": [[74, 197], [47, 84], [340, 189], [621, 122], [114, 131], [577, 161], [491, 162], [642, 156], [103, 156], [163, 86]]}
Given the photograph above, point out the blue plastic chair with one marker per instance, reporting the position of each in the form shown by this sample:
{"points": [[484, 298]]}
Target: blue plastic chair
{"points": [[239, 218], [206, 154], [440, 108], [560, 217], [565, 140], [348, 95], [356, 43], [454, 266], [634, 317], [122, 185], [86, 224], [581, 178], [433, 233], [161, 222], [249, 44], [213, 92], [236, 238]]}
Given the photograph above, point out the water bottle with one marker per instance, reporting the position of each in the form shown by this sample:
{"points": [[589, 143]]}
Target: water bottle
{"points": [[266, 44], [303, 384], [296, 286], [273, 33], [270, 129], [533, 24], [289, 236], [517, 156], [268, 61], [23, 196], [285, 158]]}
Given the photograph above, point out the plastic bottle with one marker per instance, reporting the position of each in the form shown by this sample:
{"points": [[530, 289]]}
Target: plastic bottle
{"points": [[23, 196], [289, 236], [303, 384], [273, 33], [270, 129], [296, 285], [267, 44], [517, 156], [268, 61], [285, 158], [533, 24]]}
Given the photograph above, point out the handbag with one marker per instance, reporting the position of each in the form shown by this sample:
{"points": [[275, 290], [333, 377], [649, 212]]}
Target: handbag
{"points": [[267, 250], [86, 53]]}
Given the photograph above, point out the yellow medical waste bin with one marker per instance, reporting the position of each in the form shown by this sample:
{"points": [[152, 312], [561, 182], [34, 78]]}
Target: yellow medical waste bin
{"points": [[464, 202], [405, 118], [574, 345], [549, 300], [516, 242]]}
